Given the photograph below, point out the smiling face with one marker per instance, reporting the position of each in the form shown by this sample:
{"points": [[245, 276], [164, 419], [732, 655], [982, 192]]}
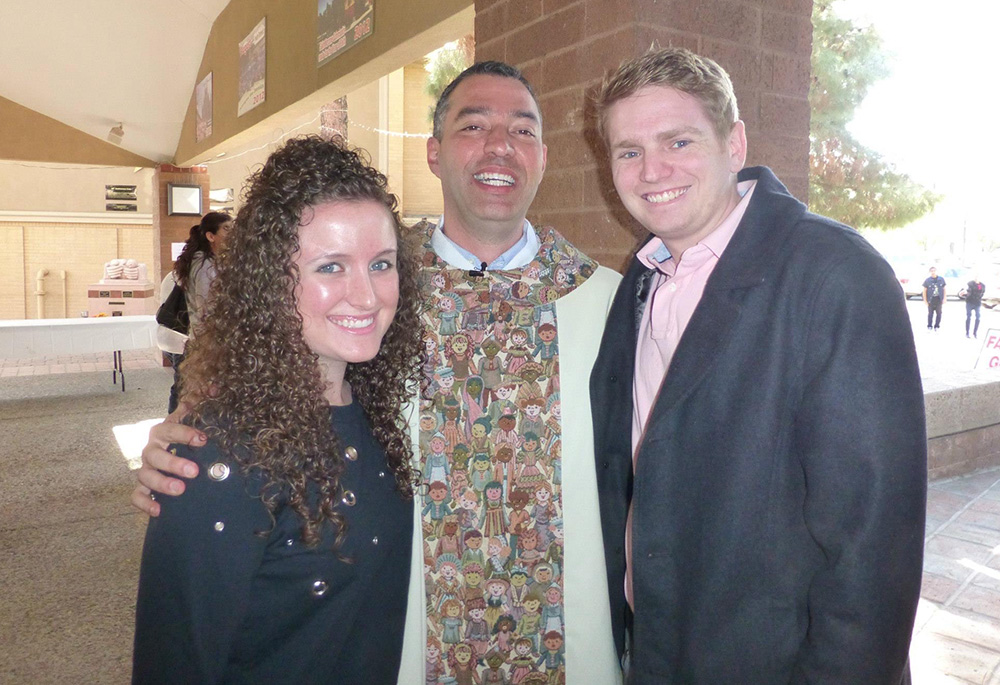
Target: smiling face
{"points": [[490, 159], [671, 170], [459, 344], [348, 286]]}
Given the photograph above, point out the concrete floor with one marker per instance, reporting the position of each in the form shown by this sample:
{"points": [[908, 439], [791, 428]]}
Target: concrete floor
{"points": [[70, 543]]}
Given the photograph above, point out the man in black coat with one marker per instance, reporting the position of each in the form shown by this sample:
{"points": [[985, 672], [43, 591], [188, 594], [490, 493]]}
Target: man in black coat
{"points": [[759, 421]]}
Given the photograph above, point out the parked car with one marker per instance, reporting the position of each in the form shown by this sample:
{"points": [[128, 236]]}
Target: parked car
{"points": [[911, 275]]}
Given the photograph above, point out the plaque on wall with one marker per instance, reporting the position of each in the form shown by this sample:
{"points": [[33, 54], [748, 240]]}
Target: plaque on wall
{"points": [[120, 207], [120, 193]]}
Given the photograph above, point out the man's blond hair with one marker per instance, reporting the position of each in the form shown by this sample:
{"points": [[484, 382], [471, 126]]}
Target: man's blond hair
{"points": [[678, 68]]}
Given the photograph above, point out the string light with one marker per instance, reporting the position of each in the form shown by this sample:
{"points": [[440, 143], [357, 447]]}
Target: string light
{"points": [[393, 134]]}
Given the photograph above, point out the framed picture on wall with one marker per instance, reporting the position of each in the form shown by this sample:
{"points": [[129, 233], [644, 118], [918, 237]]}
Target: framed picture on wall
{"points": [[183, 199]]}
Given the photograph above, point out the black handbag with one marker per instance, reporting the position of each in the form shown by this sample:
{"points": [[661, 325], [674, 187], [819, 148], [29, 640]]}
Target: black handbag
{"points": [[173, 313]]}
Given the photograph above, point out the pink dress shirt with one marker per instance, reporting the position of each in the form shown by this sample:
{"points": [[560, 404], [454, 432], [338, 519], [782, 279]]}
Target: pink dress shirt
{"points": [[674, 294]]}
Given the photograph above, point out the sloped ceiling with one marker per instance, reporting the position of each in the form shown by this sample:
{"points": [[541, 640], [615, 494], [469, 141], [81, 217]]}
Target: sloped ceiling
{"points": [[91, 64]]}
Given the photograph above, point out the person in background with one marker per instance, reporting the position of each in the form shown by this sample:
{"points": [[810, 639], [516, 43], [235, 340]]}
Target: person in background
{"points": [[933, 294], [170, 342], [973, 293], [194, 271], [195, 268], [287, 559]]}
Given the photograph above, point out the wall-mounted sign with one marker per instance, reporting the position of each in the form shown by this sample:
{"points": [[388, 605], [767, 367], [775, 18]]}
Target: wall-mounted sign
{"points": [[340, 24], [120, 207], [253, 62], [203, 109], [119, 193]]}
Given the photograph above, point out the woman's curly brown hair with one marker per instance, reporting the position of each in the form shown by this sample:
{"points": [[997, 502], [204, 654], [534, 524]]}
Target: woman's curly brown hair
{"points": [[258, 385]]}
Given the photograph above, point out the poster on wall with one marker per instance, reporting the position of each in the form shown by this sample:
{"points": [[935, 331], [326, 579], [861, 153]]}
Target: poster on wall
{"points": [[116, 192], [340, 24], [252, 63], [203, 109]]}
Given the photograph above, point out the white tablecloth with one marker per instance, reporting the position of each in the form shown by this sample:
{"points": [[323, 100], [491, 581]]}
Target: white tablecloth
{"points": [[51, 337]]}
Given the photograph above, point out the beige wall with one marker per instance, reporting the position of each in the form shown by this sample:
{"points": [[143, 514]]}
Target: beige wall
{"points": [[31, 186], [403, 110], [363, 118], [12, 282], [294, 82], [28, 135], [421, 188], [78, 249]]}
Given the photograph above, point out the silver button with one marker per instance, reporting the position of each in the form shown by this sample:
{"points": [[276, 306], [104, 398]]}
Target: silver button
{"points": [[349, 499], [220, 526], [289, 542], [319, 588], [351, 453], [381, 474], [375, 540], [218, 471]]}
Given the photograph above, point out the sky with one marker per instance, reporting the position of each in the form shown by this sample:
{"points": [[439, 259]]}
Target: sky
{"points": [[934, 116]]}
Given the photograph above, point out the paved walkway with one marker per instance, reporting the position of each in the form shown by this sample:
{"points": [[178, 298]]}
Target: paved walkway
{"points": [[957, 634], [79, 363]]}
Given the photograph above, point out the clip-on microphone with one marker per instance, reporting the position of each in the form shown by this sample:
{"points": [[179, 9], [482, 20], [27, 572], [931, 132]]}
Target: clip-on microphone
{"points": [[478, 273]]}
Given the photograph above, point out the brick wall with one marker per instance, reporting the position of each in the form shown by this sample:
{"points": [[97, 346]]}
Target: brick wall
{"points": [[79, 249], [564, 48]]}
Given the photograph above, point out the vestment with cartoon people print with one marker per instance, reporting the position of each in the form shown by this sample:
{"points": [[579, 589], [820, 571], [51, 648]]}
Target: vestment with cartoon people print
{"points": [[490, 439]]}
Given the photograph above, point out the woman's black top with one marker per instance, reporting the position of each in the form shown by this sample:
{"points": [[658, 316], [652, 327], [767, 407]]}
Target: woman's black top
{"points": [[219, 603]]}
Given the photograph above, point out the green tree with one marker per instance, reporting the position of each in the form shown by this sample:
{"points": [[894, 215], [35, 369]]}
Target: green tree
{"points": [[849, 181], [444, 65]]}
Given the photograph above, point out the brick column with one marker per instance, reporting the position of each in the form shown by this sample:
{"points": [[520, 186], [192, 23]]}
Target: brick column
{"points": [[564, 48], [174, 229]]}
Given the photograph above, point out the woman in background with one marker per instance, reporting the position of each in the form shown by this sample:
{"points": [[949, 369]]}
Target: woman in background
{"points": [[194, 271], [195, 268], [287, 558]]}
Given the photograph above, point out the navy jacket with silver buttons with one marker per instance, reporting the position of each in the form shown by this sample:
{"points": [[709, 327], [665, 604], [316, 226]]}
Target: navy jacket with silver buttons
{"points": [[225, 597]]}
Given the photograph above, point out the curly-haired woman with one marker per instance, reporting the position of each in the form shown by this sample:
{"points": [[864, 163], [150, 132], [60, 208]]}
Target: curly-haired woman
{"points": [[287, 560]]}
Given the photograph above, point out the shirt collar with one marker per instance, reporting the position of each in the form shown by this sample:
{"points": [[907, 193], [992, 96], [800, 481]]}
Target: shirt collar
{"points": [[655, 253], [517, 257]]}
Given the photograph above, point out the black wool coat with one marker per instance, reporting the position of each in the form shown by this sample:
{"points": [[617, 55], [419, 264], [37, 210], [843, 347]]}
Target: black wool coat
{"points": [[780, 486]]}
